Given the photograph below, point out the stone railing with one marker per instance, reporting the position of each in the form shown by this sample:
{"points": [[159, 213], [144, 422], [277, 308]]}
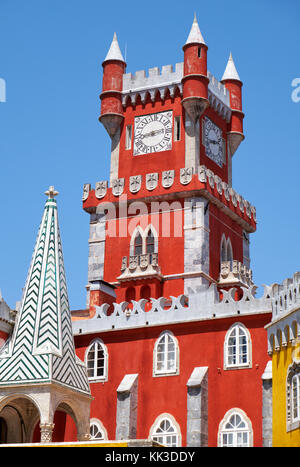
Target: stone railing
{"points": [[235, 273], [144, 265], [201, 305]]}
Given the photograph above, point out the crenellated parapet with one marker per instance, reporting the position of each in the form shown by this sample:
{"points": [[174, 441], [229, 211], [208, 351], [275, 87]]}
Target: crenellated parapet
{"points": [[285, 324], [203, 183], [143, 84], [201, 305]]}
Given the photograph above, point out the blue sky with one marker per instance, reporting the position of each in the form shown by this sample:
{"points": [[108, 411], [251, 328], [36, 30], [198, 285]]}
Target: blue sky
{"points": [[50, 58]]}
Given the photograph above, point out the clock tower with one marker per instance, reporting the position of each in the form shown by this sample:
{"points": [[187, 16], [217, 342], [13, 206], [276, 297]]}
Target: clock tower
{"points": [[168, 221]]}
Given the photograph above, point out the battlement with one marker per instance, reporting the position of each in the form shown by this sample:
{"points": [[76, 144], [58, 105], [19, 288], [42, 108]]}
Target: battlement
{"points": [[202, 305], [285, 324], [144, 83]]}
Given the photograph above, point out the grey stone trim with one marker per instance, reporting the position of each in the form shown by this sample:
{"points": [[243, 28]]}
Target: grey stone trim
{"points": [[196, 242], [267, 415], [197, 408], [127, 402]]}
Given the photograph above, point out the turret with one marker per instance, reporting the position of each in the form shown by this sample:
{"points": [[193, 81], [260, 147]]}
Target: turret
{"points": [[232, 82], [111, 96], [195, 80]]}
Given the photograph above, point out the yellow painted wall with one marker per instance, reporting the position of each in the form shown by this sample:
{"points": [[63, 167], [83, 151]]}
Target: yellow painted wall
{"points": [[280, 363]]}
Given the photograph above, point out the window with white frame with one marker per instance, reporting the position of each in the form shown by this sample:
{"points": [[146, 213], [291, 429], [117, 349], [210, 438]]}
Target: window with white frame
{"points": [[166, 355], [237, 348], [96, 361], [235, 430], [97, 430], [166, 431], [293, 396], [296, 398]]}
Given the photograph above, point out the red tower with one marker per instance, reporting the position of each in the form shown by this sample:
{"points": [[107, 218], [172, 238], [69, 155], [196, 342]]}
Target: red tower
{"points": [[172, 325], [111, 96], [195, 80]]}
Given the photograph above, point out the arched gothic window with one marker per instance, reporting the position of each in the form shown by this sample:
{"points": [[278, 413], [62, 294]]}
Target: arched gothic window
{"points": [[138, 244], [150, 245], [235, 430], [166, 431], [237, 347], [96, 361], [226, 253], [144, 241], [166, 355]]}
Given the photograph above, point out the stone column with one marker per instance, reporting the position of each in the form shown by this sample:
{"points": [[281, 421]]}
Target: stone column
{"points": [[127, 407], [197, 408], [46, 432], [267, 415]]}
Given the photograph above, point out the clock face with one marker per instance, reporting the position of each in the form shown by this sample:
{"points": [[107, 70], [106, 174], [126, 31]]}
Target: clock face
{"points": [[213, 142], [153, 133]]}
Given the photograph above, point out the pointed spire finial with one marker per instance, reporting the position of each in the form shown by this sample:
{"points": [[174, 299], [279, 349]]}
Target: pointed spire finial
{"points": [[230, 70], [114, 52], [195, 35], [51, 193]]}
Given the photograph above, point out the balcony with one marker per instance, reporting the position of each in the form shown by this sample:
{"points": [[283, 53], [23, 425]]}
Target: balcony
{"points": [[234, 273], [140, 267]]}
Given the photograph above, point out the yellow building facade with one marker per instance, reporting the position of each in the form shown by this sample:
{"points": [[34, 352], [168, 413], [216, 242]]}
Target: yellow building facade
{"points": [[284, 348]]}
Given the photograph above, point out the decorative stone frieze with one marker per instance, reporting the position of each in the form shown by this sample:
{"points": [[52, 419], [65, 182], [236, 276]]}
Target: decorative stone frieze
{"points": [[235, 272], [140, 266]]}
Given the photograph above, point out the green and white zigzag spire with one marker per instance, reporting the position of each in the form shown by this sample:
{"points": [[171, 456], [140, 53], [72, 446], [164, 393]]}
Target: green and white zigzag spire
{"points": [[41, 348]]}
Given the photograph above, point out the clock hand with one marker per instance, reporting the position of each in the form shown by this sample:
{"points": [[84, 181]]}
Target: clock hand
{"points": [[152, 133]]}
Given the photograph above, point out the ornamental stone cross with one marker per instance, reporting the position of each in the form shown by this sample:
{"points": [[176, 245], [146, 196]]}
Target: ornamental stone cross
{"points": [[51, 193]]}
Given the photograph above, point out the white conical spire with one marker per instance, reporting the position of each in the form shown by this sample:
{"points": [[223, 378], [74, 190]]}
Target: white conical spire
{"points": [[44, 325], [230, 70], [195, 35], [114, 52]]}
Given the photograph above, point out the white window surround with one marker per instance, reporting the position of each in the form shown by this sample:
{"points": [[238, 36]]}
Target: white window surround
{"points": [[235, 430], [97, 346], [97, 430], [293, 397], [237, 347], [166, 355], [144, 235], [166, 431]]}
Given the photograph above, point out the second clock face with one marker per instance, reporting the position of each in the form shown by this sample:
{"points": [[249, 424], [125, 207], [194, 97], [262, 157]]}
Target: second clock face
{"points": [[153, 133], [213, 142]]}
